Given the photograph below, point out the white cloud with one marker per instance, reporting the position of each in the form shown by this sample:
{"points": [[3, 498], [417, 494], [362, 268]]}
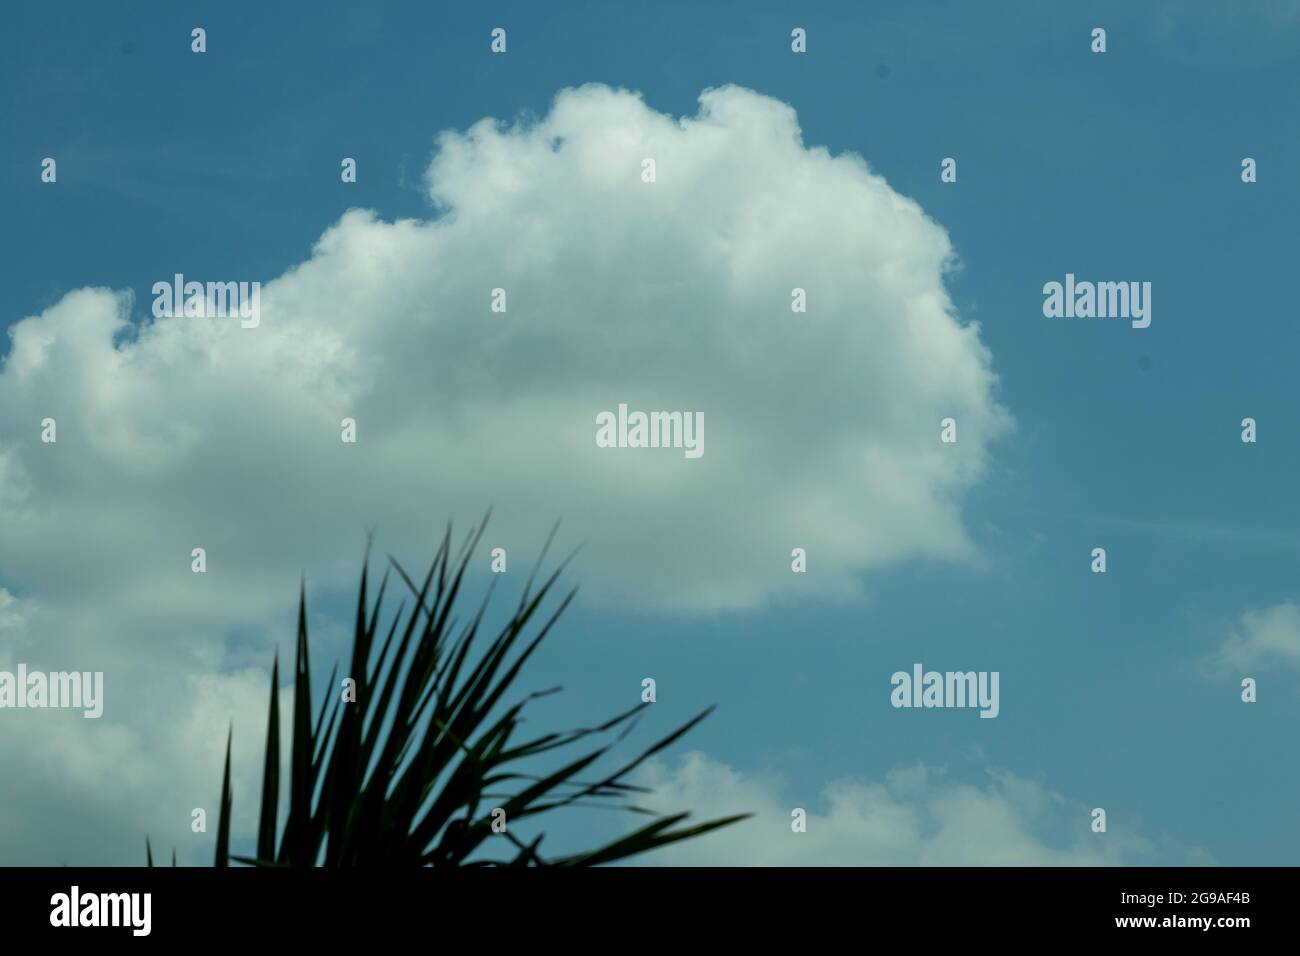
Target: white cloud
{"points": [[1262, 639], [13, 615], [821, 429], [88, 792], [175, 433], [914, 817]]}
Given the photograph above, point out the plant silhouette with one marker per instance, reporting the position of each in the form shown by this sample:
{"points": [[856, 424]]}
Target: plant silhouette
{"points": [[416, 770]]}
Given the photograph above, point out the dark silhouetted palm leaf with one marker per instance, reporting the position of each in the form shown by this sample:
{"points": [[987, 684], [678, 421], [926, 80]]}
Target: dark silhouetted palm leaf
{"points": [[411, 772]]}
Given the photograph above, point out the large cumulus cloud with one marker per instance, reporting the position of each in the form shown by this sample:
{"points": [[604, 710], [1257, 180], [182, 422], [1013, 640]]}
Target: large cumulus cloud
{"points": [[821, 429]]}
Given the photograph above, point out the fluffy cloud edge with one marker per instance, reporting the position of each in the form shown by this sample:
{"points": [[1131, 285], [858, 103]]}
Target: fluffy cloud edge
{"points": [[914, 816]]}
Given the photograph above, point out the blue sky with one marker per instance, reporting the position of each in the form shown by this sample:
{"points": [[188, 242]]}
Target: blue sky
{"points": [[1122, 166]]}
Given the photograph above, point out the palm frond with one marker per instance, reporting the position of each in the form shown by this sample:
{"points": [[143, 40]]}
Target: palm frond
{"points": [[411, 771]]}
